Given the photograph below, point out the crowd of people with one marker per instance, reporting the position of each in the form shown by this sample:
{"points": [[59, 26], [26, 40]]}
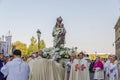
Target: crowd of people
{"points": [[98, 69], [78, 67]]}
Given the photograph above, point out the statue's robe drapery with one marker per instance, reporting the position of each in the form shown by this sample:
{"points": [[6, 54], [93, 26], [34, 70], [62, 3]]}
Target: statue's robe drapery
{"points": [[59, 35]]}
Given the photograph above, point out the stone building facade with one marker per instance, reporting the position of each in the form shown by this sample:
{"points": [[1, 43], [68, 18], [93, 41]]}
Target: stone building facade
{"points": [[5, 45], [117, 38]]}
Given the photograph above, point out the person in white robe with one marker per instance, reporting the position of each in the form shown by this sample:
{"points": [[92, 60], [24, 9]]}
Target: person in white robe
{"points": [[80, 69], [106, 67], [40, 53], [68, 66], [47, 69], [84, 68], [73, 72], [30, 61], [16, 69], [113, 69]]}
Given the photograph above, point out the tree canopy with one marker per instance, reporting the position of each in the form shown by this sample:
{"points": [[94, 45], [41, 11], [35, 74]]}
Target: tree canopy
{"points": [[42, 44], [33, 46], [21, 46]]}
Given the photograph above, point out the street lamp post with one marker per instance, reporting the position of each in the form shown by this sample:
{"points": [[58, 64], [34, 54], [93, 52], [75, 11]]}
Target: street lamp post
{"points": [[95, 54], [38, 35]]}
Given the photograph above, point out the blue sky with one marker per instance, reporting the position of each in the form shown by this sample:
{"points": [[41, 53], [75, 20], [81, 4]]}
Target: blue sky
{"points": [[89, 23]]}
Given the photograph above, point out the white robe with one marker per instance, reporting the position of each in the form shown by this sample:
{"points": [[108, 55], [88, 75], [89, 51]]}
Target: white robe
{"points": [[85, 72], [16, 69], [79, 74], [73, 73], [30, 63], [113, 71], [67, 70], [106, 69], [44, 69], [99, 74]]}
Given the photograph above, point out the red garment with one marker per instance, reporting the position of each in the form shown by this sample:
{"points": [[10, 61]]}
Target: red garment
{"points": [[77, 67], [98, 64]]}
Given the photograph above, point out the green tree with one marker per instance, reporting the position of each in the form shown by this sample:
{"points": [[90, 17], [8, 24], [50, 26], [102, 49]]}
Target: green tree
{"points": [[33, 46], [21, 46], [42, 44]]}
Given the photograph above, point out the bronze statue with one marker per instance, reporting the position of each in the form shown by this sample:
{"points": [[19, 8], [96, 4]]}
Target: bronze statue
{"points": [[59, 34]]}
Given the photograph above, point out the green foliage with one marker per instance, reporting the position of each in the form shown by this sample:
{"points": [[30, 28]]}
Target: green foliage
{"points": [[33, 46], [21, 46], [42, 44]]}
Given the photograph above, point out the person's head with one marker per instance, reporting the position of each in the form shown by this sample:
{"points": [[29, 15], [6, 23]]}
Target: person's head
{"points": [[72, 56], [36, 53], [114, 57], [17, 53], [11, 58], [40, 53], [59, 19], [109, 56], [97, 58], [5, 58], [102, 59], [86, 55], [33, 55], [24, 58], [1, 55], [81, 55]]}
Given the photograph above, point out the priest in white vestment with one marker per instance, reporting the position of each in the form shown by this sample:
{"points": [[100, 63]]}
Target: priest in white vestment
{"points": [[80, 69], [47, 69], [68, 66], [106, 67], [30, 61], [113, 69], [113, 72]]}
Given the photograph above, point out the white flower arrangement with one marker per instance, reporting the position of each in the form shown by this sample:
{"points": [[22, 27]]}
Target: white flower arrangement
{"points": [[48, 52], [57, 31], [57, 53]]}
